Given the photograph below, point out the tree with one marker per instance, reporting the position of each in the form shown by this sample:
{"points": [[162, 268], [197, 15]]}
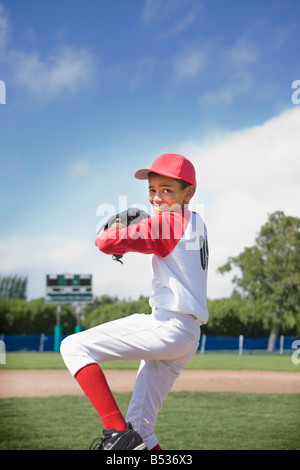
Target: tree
{"points": [[109, 311], [99, 302], [13, 287], [270, 274], [232, 316], [35, 317]]}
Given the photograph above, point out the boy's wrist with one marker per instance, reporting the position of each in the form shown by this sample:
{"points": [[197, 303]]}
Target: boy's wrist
{"points": [[117, 225]]}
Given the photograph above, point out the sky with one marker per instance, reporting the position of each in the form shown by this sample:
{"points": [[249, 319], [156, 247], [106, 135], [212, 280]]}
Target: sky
{"points": [[93, 90]]}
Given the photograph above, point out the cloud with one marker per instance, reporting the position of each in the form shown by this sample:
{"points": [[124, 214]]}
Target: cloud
{"points": [[181, 25], [144, 70], [159, 10], [244, 52], [235, 65], [66, 70], [63, 71], [188, 64], [79, 167], [4, 30], [244, 177], [37, 256]]}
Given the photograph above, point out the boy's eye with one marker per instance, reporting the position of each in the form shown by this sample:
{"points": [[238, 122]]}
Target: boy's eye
{"points": [[165, 190]]}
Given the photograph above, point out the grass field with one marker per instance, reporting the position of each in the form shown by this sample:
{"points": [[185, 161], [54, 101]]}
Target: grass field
{"points": [[51, 360], [187, 420]]}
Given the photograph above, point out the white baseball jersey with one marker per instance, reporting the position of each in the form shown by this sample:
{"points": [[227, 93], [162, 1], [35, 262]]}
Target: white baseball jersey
{"points": [[178, 243]]}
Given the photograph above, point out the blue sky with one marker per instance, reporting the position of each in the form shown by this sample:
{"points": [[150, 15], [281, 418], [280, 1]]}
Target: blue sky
{"points": [[97, 89]]}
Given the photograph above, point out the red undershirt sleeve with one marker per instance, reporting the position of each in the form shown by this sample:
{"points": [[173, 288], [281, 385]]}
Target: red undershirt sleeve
{"points": [[156, 235]]}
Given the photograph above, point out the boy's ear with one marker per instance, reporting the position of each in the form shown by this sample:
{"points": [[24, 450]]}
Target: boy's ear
{"points": [[189, 192]]}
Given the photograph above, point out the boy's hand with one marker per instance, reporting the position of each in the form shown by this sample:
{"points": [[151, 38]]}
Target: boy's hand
{"points": [[123, 219], [117, 225]]}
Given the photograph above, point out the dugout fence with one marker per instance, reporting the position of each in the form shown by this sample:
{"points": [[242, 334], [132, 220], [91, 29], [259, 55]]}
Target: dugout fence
{"points": [[238, 344]]}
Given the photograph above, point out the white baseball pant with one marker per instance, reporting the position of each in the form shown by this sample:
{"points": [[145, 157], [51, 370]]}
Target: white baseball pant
{"points": [[164, 342]]}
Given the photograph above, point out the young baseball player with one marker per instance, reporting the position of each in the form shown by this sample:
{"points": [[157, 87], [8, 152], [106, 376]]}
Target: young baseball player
{"points": [[166, 340]]}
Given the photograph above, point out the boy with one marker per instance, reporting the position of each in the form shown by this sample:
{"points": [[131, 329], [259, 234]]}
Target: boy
{"points": [[165, 340]]}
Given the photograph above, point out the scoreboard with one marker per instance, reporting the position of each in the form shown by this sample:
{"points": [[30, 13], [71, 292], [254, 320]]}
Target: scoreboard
{"points": [[69, 288]]}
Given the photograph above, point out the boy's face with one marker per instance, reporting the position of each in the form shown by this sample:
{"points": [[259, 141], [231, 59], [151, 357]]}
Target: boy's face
{"points": [[166, 194]]}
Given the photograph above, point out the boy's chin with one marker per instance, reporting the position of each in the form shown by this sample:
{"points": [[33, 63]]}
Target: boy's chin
{"points": [[162, 208]]}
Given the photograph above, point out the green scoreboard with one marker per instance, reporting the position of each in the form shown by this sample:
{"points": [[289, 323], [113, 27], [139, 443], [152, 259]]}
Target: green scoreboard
{"points": [[69, 288]]}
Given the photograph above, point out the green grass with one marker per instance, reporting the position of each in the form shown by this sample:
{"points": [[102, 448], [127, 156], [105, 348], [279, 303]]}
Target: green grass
{"points": [[187, 421], [51, 360]]}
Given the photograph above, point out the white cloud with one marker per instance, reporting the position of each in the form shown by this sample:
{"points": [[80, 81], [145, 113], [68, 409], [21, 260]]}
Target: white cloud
{"points": [[66, 70], [4, 30], [244, 52], [188, 64], [181, 25], [235, 65], [36, 257], [159, 10], [79, 167], [245, 177], [144, 70], [63, 71]]}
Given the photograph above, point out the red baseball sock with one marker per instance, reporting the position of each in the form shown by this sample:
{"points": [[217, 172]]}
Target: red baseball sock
{"points": [[93, 382], [157, 447]]}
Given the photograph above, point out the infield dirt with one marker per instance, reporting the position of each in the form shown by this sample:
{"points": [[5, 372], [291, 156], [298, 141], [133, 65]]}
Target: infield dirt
{"points": [[41, 383]]}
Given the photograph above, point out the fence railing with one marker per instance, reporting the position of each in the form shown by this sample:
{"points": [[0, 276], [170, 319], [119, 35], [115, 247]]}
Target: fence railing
{"points": [[207, 343], [242, 343]]}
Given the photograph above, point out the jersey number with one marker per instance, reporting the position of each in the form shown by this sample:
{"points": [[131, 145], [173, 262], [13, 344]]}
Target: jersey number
{"points": [[204, 252]]}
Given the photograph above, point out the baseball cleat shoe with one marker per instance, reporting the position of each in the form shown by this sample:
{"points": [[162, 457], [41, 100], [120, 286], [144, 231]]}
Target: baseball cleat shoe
{"points": [[119, 440]]}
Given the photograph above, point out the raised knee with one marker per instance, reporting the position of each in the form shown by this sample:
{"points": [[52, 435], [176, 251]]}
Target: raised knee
{"points": [[67, 346]]}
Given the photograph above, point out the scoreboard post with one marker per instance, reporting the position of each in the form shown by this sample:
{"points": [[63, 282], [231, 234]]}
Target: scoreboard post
{"points": [[67, 289]]}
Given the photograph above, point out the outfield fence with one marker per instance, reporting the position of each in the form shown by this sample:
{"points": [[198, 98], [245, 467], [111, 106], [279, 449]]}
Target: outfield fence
{"points": [[239, 344]]}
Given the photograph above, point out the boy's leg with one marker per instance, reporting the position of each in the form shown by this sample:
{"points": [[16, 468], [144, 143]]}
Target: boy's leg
{"points": [[153, 383], [136, 337], [93, 382], [156, 377], [82, 352]]}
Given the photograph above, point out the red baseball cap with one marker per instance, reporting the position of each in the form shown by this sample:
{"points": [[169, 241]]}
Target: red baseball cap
{"points": [[171, 165]]}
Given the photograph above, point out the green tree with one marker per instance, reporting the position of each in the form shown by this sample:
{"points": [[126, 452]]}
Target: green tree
{"points": [[112, 311], [270, 274], [232, 316], [35, 317], [13, 287], [99, 302]]}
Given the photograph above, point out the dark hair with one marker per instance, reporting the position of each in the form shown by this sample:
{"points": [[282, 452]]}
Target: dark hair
{"points": [[183, 184]]}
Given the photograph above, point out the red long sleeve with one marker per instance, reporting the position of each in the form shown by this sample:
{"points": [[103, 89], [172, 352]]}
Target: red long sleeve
{"points": [[156, 235]]}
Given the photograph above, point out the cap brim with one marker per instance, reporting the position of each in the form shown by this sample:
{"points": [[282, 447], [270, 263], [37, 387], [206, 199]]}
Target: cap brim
{"points": [[142, 174]]}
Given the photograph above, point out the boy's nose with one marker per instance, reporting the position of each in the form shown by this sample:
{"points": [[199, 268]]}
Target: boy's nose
{"points": [[157, 198]]}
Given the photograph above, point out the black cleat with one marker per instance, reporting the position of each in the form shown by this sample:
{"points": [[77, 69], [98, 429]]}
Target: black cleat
{"points": [[119, 440]]}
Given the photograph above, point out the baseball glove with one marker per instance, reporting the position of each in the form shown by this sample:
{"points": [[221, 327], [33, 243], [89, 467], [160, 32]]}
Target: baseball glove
{"points": [[131, 216]]}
